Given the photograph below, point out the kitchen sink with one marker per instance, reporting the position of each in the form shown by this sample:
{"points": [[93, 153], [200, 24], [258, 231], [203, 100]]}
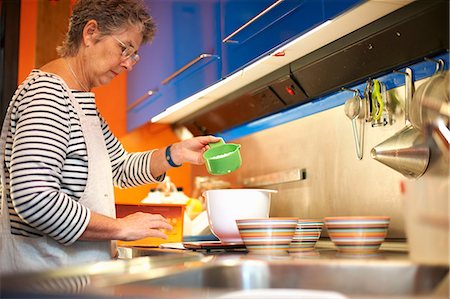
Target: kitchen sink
{"points": [[178, 274], [349, 277]]}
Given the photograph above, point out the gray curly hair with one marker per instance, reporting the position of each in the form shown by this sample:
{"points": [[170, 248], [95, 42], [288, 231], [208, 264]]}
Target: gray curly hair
{"points": [[111, 15]]}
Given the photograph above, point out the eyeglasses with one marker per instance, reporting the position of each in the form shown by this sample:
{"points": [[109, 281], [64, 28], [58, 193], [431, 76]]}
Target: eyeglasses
{"points": [[128, 51]]}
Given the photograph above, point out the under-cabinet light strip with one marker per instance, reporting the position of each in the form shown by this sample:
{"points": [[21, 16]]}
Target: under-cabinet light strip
{"points": [[198, 96]]}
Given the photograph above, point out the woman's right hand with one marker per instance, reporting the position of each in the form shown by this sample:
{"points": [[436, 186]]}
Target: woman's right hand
{"points": [[143, 225]]}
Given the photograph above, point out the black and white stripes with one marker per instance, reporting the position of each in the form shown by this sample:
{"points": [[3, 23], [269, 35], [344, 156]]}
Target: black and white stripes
{"points": [[46, 161]]}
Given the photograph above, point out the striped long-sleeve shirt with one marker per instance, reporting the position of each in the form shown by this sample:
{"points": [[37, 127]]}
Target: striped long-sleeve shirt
{"points": [[46, 161]]}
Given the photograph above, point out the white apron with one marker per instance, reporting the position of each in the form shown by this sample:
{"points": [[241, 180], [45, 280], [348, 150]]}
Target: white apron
{"points": [[17, 253]]}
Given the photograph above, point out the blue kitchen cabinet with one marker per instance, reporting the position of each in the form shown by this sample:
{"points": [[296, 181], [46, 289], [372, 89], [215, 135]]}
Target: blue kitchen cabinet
{"points": [[252, 28], [183, 58], [199, 42]]}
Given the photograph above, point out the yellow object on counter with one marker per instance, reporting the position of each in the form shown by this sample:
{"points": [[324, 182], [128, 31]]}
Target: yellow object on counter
{"points": [[193, 207]]}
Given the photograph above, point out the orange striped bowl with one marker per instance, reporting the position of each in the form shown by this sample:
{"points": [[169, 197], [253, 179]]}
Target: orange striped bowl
{"points": [[264, 235], [306, 234], [357, 234]]}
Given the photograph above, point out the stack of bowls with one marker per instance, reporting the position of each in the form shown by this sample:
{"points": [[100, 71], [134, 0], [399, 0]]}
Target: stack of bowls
{"points": [[357, 234], [267, 235], [306, 234]]}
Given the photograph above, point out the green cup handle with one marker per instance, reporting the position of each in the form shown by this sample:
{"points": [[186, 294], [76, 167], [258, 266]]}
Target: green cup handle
{"points": [[216, 144]]}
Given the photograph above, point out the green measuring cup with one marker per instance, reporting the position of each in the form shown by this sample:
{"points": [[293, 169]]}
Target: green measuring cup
{"points": [[222, 158]]}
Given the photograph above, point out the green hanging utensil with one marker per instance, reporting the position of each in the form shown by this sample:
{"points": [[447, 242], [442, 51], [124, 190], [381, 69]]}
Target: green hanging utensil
{"points": [[377, 101]]}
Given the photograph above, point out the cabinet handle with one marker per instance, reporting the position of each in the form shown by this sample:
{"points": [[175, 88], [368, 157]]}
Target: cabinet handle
{"points": [[188, 65], [227, 39], [141, 99]]}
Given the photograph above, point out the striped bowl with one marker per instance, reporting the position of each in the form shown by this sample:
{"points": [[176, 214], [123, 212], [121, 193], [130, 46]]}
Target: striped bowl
{"points": [[357, 234], [306, 234], [262, 235]]}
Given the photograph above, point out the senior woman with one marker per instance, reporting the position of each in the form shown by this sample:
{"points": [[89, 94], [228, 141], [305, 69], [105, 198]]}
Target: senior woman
{"points": [[59, 160]]}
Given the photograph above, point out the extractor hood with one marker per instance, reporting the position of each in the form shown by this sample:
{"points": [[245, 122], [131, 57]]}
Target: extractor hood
{"points": [[368, 40]]}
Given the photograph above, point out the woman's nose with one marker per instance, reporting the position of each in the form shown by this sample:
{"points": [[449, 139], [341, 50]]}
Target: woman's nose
{"points": [[128, 64]]}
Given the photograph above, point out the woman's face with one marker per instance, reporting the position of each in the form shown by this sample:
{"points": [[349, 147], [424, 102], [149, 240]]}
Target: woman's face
{"points": [[104, 58]]}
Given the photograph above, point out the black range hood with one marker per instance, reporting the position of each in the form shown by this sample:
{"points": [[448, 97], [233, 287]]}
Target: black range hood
{"points": [[407, 35]]}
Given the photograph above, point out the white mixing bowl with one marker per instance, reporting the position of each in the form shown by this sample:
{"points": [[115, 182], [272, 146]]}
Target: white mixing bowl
{"points": [[225, 206]]}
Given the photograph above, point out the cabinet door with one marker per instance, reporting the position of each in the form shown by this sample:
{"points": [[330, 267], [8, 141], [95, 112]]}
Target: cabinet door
{"points": [[250, 28], [183, 58], [333, 8]]}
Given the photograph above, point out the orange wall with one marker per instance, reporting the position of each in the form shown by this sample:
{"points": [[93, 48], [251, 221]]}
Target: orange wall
{"points": [[111, 101], [153, 136], [27, 38]]}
